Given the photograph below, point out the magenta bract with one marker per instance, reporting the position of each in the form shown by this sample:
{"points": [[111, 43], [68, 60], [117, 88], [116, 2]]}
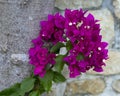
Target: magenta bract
{"points": [[83, 31]]}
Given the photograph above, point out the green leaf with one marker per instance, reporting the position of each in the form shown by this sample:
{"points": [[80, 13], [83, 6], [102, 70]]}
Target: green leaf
{"points": [[57, 47], [38, 85], [21, 92], [41, 89], [17, 93], [80, 57], [59, 63], [58, 77], [35, 93], [27, 85], [46, 81], [68, 45], [10, 91]]}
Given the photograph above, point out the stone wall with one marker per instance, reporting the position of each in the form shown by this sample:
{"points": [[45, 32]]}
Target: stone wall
{"points": [[106, 83], [19, 23]]}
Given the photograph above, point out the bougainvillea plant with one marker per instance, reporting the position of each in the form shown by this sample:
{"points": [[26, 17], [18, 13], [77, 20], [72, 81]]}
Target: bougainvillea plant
{"points": [[76, 31]]}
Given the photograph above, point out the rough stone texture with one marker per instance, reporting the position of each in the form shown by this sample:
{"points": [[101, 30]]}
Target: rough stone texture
{"points": [[51, 93], [93, 86], [109, 90], [116, 85], [117, 39], [76, 4], [57, 90], [63, 51], [65, 71], [60, 89], [110, 26], [107, 24], [110, 35], [19, 23], [19, 58], [116, 4], [112, 64]]}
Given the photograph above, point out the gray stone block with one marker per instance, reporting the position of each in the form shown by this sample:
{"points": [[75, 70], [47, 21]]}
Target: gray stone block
{"points": [[19, 24]]}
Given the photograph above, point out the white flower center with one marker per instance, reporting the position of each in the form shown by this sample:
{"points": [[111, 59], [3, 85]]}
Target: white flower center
{"points": [[99, 48], [43, 35], [87, 27], [79, 24], [82, 38], [74, 23], [90, 56], [103, 60], [70, 24]]}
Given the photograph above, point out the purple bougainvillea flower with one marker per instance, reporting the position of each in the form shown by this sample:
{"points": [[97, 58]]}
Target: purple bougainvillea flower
{"points": [[82, 30], [37, 41], [73, 19], [84, 34], [40, 70], [52, 30], [40, 58]]}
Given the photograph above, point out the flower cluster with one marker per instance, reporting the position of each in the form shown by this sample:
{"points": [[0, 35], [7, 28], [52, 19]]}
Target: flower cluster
{"points": [[40, 57], [88, 51], [81, 31], [53, 29]]}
